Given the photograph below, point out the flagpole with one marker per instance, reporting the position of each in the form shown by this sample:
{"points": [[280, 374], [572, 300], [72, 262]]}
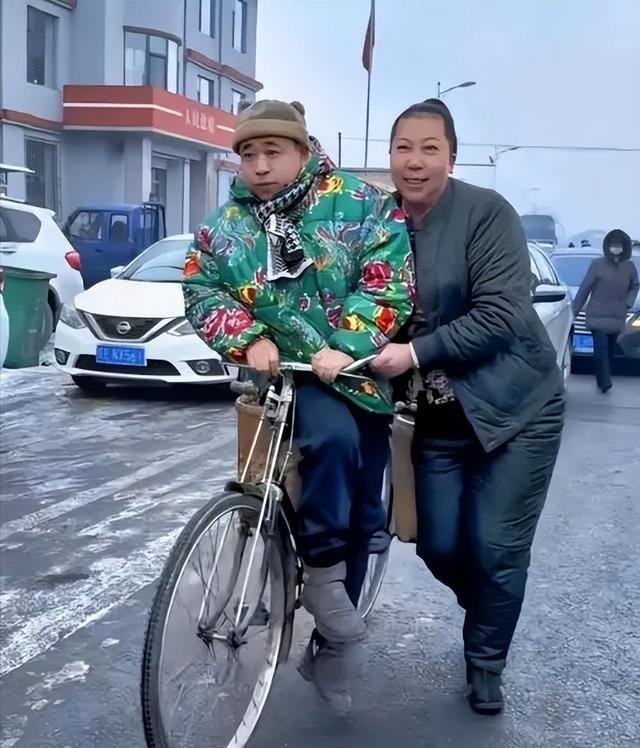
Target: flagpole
{"points": [[366, 131], [370, 39]]}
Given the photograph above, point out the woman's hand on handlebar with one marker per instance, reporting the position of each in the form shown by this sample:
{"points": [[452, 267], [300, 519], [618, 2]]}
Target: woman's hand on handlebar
{"points": [[264, 357], [393, 360], [328, 363]]}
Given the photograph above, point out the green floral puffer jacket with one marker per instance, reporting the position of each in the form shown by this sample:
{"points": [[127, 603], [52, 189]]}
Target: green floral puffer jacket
{"points": [[354, 297]]}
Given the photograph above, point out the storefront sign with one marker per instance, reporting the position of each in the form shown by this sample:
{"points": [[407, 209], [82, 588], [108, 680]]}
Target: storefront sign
{"points": [[148, 109]]}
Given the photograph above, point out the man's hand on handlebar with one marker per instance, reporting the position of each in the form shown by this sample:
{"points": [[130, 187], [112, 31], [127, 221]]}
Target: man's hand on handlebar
{"points": [[328, 363], [264, 357]]}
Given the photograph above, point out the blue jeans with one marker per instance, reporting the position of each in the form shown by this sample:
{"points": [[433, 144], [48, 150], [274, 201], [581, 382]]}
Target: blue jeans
{"points": [[604, 346], [477, 515], [344, 450]]}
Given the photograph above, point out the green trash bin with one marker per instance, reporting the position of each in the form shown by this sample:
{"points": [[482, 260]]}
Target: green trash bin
{"points": [[26, 299]]}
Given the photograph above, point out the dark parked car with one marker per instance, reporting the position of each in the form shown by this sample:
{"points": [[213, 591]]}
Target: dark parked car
{"points": [[572, 265]]}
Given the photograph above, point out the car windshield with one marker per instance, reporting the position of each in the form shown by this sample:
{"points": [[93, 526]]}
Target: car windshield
{"points": [[572, 269], [161, 263]]}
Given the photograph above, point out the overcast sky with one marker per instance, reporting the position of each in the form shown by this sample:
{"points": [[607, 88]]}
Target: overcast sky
{"points": [[548, 72]]}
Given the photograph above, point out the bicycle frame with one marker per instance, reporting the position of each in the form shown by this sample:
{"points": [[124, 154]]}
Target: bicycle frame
{"points": [[276, 412]]}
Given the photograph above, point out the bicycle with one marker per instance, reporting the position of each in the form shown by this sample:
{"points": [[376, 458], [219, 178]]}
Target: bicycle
{"points": [[229, 590]]}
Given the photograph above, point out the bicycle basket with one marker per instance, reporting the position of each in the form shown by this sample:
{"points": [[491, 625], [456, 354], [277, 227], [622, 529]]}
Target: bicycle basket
{"points": [[248, 419]]}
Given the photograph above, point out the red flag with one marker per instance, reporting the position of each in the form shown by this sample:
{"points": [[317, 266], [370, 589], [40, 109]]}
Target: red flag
{"points": [[369, 40]]}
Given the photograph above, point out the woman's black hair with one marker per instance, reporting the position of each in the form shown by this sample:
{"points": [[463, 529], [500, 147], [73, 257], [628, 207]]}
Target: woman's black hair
{"points": [[431, 108]]}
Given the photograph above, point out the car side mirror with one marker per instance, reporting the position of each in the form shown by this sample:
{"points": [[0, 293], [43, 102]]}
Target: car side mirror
{"points": [[115, 272], [534, 283], [547, 294]]}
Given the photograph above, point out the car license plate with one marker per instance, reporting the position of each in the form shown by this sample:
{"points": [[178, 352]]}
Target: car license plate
{"points": [[582, 343], [120, 355]]}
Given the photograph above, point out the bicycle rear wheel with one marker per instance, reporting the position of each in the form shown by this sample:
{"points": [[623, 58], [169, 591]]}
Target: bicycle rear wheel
{"points": [[378, 562], [206, 677]]}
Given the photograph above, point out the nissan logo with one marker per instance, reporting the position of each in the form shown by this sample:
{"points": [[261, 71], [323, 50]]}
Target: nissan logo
{"points": [[123, 328]]}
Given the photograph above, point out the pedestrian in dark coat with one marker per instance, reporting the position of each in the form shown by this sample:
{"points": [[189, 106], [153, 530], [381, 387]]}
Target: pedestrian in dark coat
{"points": [[611, 286], [490, 412]]}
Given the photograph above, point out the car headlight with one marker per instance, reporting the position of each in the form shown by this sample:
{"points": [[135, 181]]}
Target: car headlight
{"points": [[636, 322], [183, 328], [69, 315]]}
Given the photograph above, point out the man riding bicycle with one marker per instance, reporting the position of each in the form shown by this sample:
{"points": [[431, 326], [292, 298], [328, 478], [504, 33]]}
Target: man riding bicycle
{"points": [[306, 263]]}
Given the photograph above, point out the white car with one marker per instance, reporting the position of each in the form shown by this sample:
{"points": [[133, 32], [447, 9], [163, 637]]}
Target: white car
{"points": [[552, 301], [31, 240], [132, 328]]}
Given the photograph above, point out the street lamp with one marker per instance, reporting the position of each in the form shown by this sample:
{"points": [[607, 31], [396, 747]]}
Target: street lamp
{"points": [[466, 84], [497, 152]]}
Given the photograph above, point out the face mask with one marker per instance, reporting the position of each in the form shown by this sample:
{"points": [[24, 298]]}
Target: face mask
{"points": [[616, 249]]}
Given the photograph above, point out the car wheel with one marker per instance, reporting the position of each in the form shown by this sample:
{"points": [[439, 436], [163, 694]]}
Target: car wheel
{"points": [[47, 325], [566, 363], [90, 385]]}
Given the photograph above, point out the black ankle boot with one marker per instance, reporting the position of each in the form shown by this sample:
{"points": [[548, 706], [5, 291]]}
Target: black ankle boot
{"points": [[486, 692]]}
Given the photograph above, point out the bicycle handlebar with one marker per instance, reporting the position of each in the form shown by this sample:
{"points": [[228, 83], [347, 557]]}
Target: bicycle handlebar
{"points": [[348, 371]]}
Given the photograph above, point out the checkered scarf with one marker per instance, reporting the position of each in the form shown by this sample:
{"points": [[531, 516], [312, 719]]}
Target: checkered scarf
{"points": [[280, 216]]}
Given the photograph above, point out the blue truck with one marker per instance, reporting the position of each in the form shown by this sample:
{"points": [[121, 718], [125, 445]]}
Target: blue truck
{"points": [[107, 236]]}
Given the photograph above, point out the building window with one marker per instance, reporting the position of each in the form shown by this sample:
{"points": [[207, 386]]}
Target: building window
{"points": [[208, 17], [158, 186], [42, 186], [240, 25], [237, 97], [150, 61], [205, 90], [41, 48], [172, 66]]}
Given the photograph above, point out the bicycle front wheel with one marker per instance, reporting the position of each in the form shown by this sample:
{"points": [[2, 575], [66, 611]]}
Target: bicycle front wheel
{"points": [[210, 652]]}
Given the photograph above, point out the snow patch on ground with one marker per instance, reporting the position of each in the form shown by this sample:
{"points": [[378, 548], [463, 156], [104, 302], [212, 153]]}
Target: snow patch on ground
{"points": [[24, 381], [72, 671], [109, 643], [12, 730]]}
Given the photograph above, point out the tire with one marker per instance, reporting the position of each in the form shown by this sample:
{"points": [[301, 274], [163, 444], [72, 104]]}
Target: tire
{"points": [[377, 569], [48, 324], [377, 562], [168, 606], [90, 385]]}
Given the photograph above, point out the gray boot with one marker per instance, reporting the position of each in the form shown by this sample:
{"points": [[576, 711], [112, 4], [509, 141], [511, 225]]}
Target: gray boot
{"points": [[335, 658], [325, 597], [335, 668]]}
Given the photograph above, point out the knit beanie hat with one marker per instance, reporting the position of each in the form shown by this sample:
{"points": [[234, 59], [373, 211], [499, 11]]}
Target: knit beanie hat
{"points": [[270, 117]]}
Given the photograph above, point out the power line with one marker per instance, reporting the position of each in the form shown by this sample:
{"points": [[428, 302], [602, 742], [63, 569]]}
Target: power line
{"points": [[515, 146]]}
